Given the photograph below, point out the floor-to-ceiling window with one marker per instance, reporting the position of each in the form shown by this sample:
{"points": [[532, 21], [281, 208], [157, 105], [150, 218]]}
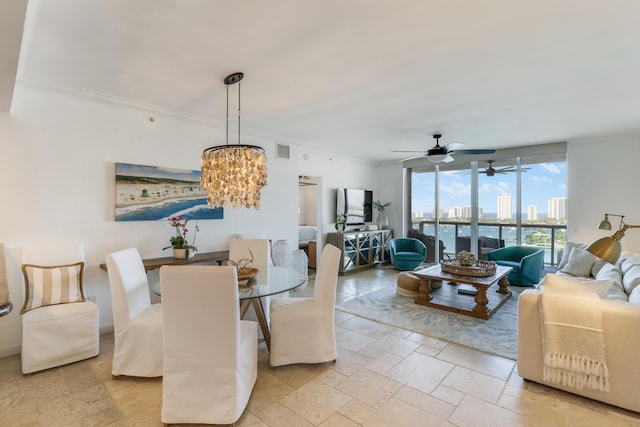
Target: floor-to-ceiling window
{"points": [[520, 200], [544, 204]]}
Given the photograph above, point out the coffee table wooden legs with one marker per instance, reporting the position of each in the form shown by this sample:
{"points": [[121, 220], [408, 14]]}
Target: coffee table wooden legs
{"points": [[425, 292], [262, 320], [503, 286], [481, 302], [481, 297]]}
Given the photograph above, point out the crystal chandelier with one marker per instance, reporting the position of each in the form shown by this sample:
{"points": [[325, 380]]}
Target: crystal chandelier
{"points": [[233, 175]]}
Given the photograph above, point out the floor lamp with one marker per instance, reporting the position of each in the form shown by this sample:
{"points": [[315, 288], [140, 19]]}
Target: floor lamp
{"points": [[609, 248]]}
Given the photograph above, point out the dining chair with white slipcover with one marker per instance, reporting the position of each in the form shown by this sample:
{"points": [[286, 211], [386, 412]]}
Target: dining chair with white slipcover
{"points": [[261, 254], [58, 325], [257, 249], [137, 324], [260, 235], [303, 329], [210, 355]]}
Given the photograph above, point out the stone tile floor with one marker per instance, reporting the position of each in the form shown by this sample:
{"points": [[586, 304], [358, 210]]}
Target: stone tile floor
{"points": [[384, 376]]}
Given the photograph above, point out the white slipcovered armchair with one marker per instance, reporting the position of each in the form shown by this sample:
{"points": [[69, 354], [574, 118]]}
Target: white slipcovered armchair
{"points": [[303, 329], [210, 355], [62, 332], [137, 324]]}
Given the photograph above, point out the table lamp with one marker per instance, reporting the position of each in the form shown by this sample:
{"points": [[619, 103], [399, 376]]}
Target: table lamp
{"points": [[609, 248]]}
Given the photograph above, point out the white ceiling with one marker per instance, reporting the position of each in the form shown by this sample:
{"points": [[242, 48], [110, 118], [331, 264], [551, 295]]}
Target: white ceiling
{"points": [[356, 78]]}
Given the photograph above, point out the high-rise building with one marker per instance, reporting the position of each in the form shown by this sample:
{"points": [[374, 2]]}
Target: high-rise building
{"points": [[557, 208], [454, 212], [532, 213], [505, 210], [463, 212]]}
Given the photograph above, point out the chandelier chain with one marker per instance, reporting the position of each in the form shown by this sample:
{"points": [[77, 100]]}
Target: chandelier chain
{"points": [[227, 118]]}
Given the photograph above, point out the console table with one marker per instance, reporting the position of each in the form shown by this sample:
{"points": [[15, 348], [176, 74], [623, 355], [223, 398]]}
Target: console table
{"points": [[360, 249], [153, 263]]}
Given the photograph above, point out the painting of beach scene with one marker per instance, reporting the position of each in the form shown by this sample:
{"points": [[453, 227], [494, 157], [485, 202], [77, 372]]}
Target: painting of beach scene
{"points": [[148, 193]]}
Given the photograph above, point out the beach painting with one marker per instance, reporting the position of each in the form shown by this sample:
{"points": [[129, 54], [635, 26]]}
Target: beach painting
{"points": [[149, 193]]}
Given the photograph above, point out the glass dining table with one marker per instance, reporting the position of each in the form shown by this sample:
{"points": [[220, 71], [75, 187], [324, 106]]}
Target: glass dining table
{"points": [[269, 280]]}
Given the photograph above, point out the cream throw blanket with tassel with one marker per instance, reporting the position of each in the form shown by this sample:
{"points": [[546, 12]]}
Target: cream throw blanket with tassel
{"points": [[573, 341]]}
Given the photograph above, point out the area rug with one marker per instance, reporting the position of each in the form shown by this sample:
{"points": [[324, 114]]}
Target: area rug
{"points": [[496, 335]]}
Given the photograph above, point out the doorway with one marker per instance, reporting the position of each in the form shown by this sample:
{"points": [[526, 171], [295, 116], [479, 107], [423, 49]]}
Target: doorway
{"points": [[308, 213]]}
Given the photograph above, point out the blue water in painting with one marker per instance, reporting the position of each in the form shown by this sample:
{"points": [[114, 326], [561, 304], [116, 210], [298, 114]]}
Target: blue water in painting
{"points": [[190, 209]]}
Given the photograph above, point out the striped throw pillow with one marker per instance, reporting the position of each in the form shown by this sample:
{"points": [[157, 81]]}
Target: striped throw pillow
{"points": [[50, 285]]}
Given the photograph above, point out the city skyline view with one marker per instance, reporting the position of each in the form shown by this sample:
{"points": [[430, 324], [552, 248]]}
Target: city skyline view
{"points": [[540, 183]]}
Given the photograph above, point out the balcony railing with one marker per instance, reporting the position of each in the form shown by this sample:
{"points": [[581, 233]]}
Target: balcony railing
{"points": [[550, 237]]}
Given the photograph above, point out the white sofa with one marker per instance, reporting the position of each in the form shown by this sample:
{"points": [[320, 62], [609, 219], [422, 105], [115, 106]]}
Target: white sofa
{"points": [[620, 325]]}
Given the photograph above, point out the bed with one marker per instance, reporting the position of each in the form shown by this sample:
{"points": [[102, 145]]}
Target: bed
{"points": [[307, 235]]}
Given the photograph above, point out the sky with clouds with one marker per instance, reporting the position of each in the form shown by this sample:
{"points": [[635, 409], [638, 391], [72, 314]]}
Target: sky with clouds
{"points": [[539, 184]]}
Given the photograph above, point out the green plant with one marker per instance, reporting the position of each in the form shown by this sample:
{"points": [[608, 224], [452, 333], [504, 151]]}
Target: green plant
{"points": [[379, 206], [179, 241], [341, 220]]}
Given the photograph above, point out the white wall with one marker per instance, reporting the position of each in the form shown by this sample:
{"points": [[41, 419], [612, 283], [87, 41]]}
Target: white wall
{"points": [[57, 172], [391, 189], [603, 176]]}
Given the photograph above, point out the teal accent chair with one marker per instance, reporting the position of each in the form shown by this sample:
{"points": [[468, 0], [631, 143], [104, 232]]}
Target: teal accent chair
{"points": [[407, 253], [526, 261]]}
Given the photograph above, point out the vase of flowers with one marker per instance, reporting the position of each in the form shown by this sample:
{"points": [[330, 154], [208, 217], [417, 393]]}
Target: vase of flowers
{"points": [[340, 222], [382, 220], [181, 247]]}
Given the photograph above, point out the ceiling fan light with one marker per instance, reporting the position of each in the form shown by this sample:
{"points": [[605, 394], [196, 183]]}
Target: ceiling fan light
{"points": [[437, 158]]}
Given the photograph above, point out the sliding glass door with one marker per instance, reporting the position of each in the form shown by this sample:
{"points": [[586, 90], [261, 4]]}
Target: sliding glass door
{"points": [[511, 201]]}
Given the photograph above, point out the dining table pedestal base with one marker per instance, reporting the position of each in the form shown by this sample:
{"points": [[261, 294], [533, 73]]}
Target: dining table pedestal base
{"points": [[262, 319]]}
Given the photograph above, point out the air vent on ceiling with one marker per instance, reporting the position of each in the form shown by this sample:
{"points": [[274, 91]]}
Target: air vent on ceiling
{"points": [[282, 151]]}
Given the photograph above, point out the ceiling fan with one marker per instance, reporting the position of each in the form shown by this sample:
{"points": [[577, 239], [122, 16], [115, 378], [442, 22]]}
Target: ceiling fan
{"points": [[442, 153], [491, 171]]}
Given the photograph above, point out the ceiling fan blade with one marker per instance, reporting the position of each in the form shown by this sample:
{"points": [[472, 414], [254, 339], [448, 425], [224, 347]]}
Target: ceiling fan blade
{"points": [[453, 146], [412, 157], [407, 151], [447, 159], [475, 151]]}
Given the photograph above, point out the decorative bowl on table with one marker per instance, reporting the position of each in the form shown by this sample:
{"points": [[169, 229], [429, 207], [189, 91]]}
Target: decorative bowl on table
{"points": [[480, 269], [246, 276]]}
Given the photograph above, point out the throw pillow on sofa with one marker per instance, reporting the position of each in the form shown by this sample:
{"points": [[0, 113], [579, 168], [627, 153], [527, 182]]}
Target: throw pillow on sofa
{"points": [[566, 251], [579, 263], [631, 279], [635, 296], [627, 263], [613, 273], [597, 266]]}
